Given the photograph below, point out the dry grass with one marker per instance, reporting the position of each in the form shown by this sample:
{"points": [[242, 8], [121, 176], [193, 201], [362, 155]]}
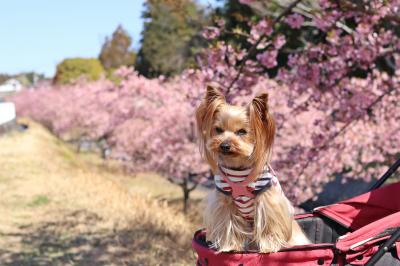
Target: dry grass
{"points": [[62, 208]]}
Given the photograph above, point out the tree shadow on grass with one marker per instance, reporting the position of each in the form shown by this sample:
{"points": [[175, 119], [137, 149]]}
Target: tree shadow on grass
{"points": [[78, 240]]}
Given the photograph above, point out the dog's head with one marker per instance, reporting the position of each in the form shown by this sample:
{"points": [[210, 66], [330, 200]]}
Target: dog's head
{"points": [[235, 136]]}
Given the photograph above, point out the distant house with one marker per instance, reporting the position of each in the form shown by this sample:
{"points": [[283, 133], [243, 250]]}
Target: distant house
{"points": [[10, 86], [7, 109], [7, 113]]}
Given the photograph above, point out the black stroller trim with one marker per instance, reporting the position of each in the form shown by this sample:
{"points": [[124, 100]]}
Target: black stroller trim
{"points": [[386, 175], [384, 248]]}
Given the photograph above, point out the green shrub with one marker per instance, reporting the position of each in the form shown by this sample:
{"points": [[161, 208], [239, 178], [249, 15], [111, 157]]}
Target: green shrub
{"points": [[73, 68]]}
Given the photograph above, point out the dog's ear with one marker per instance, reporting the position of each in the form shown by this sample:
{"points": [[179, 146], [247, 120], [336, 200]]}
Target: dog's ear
{"points": [[205, 114], [260, 104], [263, 126], [213, 94], [207, 109]]}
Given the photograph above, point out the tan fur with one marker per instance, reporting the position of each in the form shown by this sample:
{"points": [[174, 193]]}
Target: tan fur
{"points": [[205, 117], [264, 131], [274, 227]]}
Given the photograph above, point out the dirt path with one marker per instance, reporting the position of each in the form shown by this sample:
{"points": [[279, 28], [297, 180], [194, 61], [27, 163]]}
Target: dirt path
{"points": [[57, 209]]}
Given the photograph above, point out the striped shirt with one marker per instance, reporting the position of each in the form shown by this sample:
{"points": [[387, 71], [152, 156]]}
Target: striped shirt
{"points": [[235, 183]]}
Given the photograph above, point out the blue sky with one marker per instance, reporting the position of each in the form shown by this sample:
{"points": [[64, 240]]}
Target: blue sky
{"points": [[35, 35]]}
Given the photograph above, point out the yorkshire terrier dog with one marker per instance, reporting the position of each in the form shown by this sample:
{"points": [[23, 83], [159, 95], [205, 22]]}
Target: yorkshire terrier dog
{"points": [[248, 210]]}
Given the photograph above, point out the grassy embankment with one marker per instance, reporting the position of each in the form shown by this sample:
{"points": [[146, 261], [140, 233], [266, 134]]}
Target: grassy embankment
{"points": [[62, 208]]}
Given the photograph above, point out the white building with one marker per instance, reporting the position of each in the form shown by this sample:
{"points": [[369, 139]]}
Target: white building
{"points": [[7, 112], [10, 86], [7, 109]]}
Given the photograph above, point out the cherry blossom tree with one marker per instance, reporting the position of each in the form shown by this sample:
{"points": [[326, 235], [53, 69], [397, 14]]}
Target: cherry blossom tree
{"points": [[147, 123], [331, 70], [161, 136], [341, 86]]}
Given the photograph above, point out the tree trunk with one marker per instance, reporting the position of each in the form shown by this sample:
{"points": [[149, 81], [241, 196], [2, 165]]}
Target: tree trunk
{"points": [[186, 189], [185, 200], [186, 192]]}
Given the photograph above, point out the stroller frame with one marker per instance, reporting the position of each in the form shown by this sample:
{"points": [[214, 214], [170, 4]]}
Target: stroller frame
{"points": [[396, 235]]}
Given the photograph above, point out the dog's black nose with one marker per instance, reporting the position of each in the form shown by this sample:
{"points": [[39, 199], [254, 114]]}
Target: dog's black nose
{"points": [[225, 146]]}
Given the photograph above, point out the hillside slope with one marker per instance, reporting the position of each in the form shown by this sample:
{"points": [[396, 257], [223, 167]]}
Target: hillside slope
{"points": [[62, 208]]}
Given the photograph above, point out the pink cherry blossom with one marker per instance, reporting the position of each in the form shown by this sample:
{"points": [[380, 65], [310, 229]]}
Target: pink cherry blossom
{"points": [[279, 41], [211, 33], [246, 2], [295, 21], [268, 58]]}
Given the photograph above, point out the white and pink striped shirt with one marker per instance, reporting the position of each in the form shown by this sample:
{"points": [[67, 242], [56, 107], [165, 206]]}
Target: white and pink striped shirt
{"points": [[235, 183]]}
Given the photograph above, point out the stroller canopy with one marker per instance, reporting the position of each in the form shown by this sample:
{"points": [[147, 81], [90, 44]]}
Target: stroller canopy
{"points": [[367, 208]]}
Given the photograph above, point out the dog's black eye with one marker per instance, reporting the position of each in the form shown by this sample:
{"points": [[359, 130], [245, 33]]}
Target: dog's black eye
{"points": [[241, 132], [219, 130]]}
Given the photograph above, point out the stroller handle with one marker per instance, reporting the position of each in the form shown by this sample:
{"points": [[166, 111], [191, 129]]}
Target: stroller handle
{"points": [[383, 248], [386, 175]]}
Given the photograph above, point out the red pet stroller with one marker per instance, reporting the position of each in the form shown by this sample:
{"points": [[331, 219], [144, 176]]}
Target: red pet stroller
{"points": [[364, 230]]}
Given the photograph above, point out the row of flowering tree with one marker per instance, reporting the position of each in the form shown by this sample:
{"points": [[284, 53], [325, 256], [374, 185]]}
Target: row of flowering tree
{"points": [[332, 72], [337, 64], [147, 124]]}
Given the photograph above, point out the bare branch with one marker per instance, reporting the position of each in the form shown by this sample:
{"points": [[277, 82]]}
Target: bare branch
{"points": [[193, 187], [253, 48]]}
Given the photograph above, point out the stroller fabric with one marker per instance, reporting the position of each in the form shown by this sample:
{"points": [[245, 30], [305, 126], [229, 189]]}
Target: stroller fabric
{"points": [[345, 233]]}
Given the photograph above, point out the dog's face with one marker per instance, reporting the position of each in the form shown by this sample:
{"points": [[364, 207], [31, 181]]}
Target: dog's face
{"points": [[231, 141], [234, 136]]}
